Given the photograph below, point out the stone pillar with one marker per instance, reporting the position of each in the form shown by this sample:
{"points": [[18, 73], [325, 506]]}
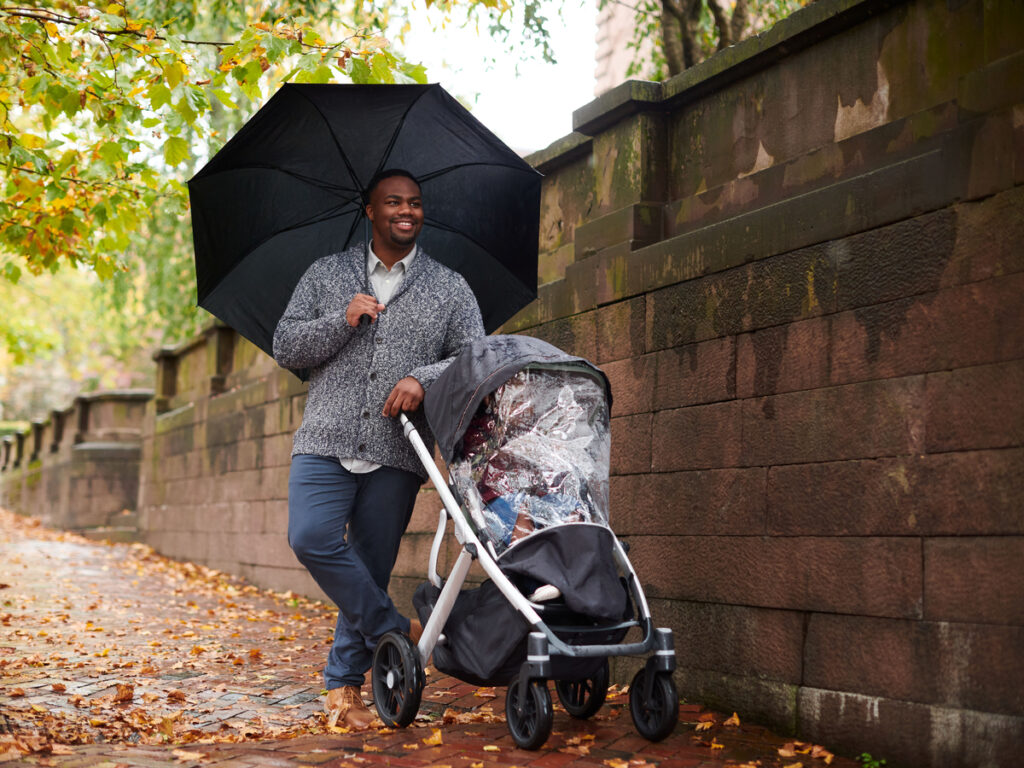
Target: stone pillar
{"points": [[166, 378]]}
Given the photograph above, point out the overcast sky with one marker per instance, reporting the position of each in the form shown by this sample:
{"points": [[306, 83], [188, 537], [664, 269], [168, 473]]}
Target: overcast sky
{"points": [[528, 110]]}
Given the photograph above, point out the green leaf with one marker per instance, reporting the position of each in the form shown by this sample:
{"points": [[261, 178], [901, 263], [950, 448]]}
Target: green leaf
{"points": [[380, 70], [224, 98], [418, 74], [159, 95], [175, 151], [359, 71]]}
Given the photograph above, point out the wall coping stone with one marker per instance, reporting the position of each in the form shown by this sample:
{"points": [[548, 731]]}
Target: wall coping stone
{"points": [[560, 152], [798, 31], [115, 394]]}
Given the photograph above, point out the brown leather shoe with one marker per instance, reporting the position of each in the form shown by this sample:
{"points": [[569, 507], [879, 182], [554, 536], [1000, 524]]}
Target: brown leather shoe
{"points": [[346, 704], [415, 631]]}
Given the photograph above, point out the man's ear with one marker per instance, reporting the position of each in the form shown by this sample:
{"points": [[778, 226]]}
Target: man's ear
{"points": [[369, 211]]}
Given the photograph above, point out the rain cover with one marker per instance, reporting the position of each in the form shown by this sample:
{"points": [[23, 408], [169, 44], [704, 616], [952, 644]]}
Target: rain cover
{"points": [[536, 454]]}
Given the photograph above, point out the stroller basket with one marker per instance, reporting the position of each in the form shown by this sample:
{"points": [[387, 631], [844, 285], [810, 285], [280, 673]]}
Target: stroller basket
{"points": [[523, 428]]}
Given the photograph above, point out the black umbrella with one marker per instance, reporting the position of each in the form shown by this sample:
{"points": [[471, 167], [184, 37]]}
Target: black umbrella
{"points": [[288, 188]]}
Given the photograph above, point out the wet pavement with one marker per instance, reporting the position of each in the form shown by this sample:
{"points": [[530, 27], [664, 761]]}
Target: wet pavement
{"points": [[111, 655]]}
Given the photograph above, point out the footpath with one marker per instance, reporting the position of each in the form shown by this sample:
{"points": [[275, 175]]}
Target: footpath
{"points": [[111, 655]]}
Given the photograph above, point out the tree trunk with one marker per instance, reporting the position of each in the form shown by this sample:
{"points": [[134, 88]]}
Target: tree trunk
{"points": [[672, 37], [725, 36], [740, 19]]}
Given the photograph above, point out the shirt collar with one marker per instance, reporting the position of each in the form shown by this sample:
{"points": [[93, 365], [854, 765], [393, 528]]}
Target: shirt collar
{"points": [[372, 261]]}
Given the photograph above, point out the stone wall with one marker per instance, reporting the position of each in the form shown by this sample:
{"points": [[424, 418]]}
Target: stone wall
{"points": [[79, 468], [799, 264]]}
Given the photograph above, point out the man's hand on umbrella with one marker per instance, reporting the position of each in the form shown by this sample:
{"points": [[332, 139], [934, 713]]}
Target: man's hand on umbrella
{"points": [[406, 396], [360, 305]]}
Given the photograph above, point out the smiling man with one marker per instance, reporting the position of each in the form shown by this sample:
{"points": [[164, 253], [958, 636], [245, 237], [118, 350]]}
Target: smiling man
{"points": [[375, 325]]}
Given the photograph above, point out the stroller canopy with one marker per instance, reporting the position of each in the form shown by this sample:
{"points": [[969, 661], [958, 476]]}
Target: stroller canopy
{"points": [[479, 369]]}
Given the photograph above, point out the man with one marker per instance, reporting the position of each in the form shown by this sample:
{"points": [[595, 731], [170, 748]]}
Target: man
{"points": [[375, 326]]}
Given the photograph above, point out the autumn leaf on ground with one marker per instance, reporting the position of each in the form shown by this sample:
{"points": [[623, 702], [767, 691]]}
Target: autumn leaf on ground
{"points": [[793, 765], [734, 720], [17, 692], [185, 756], [492, 748], [410, 746], [435, 739], [703, 726], [175, 695], [485, 693], [716, 745], [616, 763], [58, 687], [124, 693]]}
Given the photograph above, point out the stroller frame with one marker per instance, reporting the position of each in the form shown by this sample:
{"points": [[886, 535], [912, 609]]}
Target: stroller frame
{"points": [[398, 679]]}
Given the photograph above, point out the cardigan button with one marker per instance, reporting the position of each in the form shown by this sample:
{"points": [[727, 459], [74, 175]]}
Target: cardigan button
{"points": [[366, 414], [362, 447], [373, 375]]}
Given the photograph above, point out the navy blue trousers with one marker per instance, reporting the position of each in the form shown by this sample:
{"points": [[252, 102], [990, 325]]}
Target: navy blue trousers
{"points": [[345, 528]]}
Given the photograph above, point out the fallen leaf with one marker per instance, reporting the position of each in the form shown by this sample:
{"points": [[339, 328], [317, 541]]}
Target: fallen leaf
{"points": [[184, 755], [435, 739], [492, 748], [124, 693], [616, 763], [734, 720], [175, 695], [716, 745], [793, 765], [17, 692], [703, 726], [58, 687], [410, 746]]}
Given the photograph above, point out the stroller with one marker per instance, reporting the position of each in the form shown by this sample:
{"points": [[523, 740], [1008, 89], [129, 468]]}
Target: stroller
{"points": [[524, 430]]}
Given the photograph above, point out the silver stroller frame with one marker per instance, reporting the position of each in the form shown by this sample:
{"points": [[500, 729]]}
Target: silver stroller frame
{"points": [[397, 669]]}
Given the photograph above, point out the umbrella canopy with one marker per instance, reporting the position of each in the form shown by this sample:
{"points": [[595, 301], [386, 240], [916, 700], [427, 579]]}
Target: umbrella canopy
{"points": [[289, 187]]}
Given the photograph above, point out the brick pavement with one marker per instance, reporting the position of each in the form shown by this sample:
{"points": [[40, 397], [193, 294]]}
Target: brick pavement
{"points": [[113, 656]]}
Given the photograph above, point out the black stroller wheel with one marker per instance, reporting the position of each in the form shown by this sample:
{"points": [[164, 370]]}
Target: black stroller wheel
{"points": [[529, 720], [398, 679], [654, 717], [583, 698]]}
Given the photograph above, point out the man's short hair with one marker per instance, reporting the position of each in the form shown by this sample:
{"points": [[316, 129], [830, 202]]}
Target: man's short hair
{"points": [[387, 174]]}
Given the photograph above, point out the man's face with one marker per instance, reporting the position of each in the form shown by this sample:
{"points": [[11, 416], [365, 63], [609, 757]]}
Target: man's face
{"points": [[396, 210]]}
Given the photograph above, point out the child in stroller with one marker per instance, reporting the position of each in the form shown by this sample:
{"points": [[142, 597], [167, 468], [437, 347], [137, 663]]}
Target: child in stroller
{"points": [[524, 430]]}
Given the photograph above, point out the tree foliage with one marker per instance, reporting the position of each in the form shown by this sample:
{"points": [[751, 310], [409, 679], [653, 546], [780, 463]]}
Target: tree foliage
{"points": [[673, 35]]}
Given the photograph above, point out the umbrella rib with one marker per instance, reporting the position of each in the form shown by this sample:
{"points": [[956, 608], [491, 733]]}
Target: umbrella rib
{"points": [[334, 138], [398, 128], [305, 179]]}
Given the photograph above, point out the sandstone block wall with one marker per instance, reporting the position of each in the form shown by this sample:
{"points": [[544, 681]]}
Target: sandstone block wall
{"points": [[79, 468], [799, 263]]}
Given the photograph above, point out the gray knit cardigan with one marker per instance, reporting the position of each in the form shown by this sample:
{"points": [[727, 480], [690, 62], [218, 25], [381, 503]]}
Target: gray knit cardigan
{"points": [[353, 370]]}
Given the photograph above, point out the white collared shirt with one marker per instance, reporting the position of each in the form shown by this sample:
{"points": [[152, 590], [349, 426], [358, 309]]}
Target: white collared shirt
{"points": [[383, 282]]}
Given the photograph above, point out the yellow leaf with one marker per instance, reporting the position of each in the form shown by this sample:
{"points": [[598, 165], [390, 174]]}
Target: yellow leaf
{"points": [[476, 765], [793, 765], [716, 745], [703, 726], [492, 748], [434, 739], [51, 29], [734, 720], [616, 763], [410, 746]]}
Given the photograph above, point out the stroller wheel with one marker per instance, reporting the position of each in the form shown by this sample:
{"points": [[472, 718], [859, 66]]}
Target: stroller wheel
{"points": [[529, 717], [655, 716], [398, 679], [583, 698]]}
